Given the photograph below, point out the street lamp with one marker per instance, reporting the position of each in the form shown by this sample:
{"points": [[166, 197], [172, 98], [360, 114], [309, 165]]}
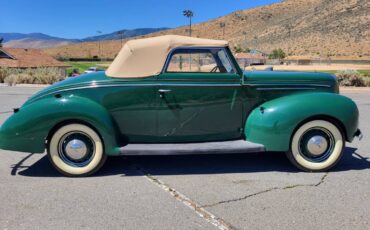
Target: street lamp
{"points": [[99, 32], [120, 33], [189, 14], [223, 25]]}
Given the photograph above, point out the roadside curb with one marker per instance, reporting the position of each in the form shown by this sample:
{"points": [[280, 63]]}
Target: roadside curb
{"points": [[24, 85], [354, 89]]}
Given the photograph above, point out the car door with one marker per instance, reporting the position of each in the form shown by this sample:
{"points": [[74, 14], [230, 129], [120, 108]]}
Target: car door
{"points": [[133, 106], [200, 97]]}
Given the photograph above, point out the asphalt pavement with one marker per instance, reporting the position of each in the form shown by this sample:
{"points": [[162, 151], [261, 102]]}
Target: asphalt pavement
{"points": [[243, 191]]}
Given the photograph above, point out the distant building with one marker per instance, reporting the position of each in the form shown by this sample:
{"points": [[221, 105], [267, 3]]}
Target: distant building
{"points": [[248, 59], [28, 58]]}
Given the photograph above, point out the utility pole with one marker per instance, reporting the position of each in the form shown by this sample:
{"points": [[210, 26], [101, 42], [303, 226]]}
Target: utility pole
{"points": [[255, 42], [121, 36], [245, 40], [223, 25], [289, 27], [189, 14], [99, 32]]}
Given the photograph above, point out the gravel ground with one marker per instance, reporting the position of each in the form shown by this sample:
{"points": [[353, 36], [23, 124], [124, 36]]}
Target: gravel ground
{"points": [[244, 191]]}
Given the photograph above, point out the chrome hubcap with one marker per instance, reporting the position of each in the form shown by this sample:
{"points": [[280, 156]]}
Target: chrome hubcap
{"points": [[76, 149], [317, 145]]}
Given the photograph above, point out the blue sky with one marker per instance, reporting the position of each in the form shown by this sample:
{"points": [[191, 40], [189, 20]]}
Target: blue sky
{"points": [[82, 18]]}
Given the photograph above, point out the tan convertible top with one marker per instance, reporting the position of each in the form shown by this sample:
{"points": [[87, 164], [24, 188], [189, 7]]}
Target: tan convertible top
{"points": [[146, 57]]}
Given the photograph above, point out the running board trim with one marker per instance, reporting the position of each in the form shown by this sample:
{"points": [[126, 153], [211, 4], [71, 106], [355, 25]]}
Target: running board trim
{"points": [[223, 147]]}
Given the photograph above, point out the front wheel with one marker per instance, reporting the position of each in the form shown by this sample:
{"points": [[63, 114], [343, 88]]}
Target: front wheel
{"points": [[76, 150], [316, 146]]}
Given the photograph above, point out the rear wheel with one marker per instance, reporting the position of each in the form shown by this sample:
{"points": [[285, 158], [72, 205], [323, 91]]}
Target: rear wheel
{"points": [[316, 146], [76, 150]]}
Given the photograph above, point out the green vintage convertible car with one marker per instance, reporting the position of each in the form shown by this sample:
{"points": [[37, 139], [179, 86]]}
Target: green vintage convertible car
{"points": [[181, 95]]}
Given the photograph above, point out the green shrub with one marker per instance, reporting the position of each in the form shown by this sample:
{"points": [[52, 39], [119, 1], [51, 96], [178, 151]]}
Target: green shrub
{"points": [[25, 78], [350, 78], [277, 54], [12, 79], [47, 75], [3, 74], [367, 81]]}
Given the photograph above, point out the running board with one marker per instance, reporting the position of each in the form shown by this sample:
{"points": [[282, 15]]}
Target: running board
{"points": [[223, 147]]}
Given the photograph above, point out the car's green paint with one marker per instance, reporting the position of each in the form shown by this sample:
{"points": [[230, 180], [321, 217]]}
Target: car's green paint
{"points": [[200, 107], [273, 123], [210, 109]]}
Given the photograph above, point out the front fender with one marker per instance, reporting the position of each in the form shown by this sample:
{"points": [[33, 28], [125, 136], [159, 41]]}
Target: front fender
{"points": [[27, 129], [273, 123]]}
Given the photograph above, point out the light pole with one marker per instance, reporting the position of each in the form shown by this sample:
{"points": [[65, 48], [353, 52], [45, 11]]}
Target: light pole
{"points": [[189, 14], [99, 32], [223, 25], [245, 40], [289, 28], [120, 33], [255, 42]]}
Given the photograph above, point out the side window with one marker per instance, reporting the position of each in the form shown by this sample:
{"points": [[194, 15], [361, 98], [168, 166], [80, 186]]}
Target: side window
{"points": [[225, 61], [194, 62]]}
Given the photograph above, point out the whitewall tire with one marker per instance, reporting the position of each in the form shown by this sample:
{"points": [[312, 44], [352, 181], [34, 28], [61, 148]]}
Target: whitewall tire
{"points": [[316, 146], [76, 150]]}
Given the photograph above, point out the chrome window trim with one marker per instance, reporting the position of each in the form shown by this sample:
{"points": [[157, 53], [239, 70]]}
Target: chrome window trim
{"points": [[170, 54]]}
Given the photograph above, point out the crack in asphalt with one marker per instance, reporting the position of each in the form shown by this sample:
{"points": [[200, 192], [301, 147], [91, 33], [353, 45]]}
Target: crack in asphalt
{"points": [[322, 180], [200, 211]]}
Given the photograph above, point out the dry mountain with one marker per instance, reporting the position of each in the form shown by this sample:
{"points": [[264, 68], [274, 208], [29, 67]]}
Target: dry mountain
{"points": [[300, 27], [39, 40]]}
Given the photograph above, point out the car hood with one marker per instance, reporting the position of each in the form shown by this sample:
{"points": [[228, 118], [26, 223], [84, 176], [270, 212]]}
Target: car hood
{"points": [[271, 77], [71, 82]]}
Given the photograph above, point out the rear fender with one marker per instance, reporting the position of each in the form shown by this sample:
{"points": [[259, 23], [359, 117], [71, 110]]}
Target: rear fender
{"points": [[28, 129]]}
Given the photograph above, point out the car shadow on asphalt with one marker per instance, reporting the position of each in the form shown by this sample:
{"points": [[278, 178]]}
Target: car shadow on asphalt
{"points": [[194, 164]]}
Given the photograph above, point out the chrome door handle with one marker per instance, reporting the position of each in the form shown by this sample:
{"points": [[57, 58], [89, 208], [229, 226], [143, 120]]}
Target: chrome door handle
{"points": [[164, 90]]}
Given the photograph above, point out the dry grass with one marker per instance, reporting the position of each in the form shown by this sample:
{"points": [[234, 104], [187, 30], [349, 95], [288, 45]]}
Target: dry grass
{"points": [[31, 76]]}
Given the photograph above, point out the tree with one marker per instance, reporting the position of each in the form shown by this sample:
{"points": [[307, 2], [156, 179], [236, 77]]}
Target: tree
{"points": [[238, 49], [277, 54]]}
